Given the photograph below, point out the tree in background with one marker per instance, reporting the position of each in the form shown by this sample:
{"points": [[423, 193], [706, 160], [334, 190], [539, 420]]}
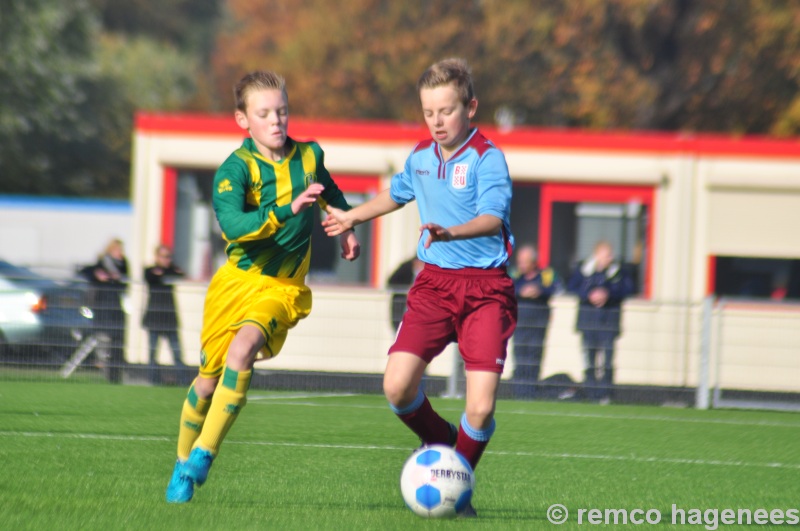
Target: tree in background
{"points": [[73, 73], [714, 65], [180, 30], [44, 78], [357, 59], [69, 87]]}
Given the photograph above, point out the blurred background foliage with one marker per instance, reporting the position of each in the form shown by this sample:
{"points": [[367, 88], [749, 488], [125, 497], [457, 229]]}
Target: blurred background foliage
{"points": [[73, 73]]}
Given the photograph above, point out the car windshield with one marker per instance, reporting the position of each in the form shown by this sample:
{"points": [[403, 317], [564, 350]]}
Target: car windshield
{"points": [[21, 276]]}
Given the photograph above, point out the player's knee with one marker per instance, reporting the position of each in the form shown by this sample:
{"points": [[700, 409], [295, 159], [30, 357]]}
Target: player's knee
{"points": [[391, 390], [480, 415], [204, 387], [239, 357], [398, 392], [242, 352]]}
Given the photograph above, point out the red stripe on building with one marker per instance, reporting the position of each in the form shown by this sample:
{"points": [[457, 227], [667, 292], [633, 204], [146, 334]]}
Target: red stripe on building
{"points": [[521, 137], [169, 199]]}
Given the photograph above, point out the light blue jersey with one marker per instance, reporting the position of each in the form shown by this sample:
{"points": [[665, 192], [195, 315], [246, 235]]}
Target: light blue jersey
{"points": [[474, 181]]}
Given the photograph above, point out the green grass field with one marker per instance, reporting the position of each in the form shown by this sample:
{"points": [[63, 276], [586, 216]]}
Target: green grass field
{"points": [[95, 456]]}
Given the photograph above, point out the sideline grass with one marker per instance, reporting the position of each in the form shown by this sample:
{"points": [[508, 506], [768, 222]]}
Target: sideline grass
{"points": [[96, 456]]}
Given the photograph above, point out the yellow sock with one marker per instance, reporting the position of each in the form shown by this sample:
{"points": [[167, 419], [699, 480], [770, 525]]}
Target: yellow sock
{"points": [[229, 398], [192, 417]]}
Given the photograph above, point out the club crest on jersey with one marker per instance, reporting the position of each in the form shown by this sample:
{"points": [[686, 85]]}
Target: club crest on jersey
{"points": [[459, 179], [310, 178], [254, 194]]}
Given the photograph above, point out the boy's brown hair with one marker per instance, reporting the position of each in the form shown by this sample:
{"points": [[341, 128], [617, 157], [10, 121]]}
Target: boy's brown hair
{"points": [[453, 70], [258, 80]]}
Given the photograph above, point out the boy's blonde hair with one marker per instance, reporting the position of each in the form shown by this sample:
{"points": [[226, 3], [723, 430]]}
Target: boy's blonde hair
{"points": [[453, 70], [258, 80]]}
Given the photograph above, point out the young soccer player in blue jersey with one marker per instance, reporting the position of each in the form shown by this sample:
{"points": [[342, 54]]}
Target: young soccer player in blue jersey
{"points": [[462, 187], [261, 197]]}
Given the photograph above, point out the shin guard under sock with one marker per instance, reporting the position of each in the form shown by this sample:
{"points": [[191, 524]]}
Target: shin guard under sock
{"points": [[420, 417], [471, 442], [229, 398], [193, 415]]}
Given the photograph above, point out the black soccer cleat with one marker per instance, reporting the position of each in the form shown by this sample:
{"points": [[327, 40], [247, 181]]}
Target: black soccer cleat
{"points": [[452, 437], [468, 512], [453, 434]]}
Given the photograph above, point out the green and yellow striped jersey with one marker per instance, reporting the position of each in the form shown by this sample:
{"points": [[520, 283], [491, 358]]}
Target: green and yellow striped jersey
{"points": [[252, 199]]}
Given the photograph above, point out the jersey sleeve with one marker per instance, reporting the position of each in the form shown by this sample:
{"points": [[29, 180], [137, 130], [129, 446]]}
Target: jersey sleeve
{"points": [[494, 185], [239, 221], [402, 188]]}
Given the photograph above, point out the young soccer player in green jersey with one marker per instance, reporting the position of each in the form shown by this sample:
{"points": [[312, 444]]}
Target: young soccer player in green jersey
{"points": [[261, 197]]}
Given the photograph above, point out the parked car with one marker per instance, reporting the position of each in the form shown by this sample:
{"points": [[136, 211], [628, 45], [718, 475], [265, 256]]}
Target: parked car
{"points": [[41, 319]]}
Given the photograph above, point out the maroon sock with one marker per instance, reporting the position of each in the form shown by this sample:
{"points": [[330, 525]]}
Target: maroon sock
{"points": [[427, 424], [468, 447]]}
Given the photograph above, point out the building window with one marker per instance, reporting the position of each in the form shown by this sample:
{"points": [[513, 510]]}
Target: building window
{"points": [[574, 217], [755, 278], [525, 201], [327, 264]]}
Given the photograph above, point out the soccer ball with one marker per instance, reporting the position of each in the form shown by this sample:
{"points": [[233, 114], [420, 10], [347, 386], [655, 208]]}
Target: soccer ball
{"points": [[437, 482]]}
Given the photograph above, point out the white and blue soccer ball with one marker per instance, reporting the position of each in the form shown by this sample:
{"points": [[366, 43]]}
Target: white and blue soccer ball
{"points": [[437, 482]]}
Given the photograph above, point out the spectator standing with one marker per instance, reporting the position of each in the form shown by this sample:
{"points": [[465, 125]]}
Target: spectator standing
{"points": [[161, 316], [108, 278], [534, 287], [601, 284]]}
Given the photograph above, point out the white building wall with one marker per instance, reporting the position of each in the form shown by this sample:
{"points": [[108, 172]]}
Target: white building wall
{"points": [[704, 205], [660, 344], [58, 235]]}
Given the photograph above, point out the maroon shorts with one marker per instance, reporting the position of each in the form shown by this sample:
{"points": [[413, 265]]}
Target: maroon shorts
{"points": [[475, 307]]}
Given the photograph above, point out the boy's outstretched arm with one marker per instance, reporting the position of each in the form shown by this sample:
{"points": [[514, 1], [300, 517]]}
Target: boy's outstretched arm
{"points": [[339, 221], [483, 225]]}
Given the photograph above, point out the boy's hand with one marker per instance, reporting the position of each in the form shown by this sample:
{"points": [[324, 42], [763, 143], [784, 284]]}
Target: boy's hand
{"points": [[351, 249], [307, 198], [337, 222], [436, 233]]}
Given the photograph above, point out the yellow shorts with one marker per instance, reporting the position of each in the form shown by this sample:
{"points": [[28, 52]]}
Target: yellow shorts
{"points": [[237, 298]]}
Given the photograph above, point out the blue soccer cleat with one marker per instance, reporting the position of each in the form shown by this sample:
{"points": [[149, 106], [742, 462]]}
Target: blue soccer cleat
{"points": [[197, 466], [180, 488]]}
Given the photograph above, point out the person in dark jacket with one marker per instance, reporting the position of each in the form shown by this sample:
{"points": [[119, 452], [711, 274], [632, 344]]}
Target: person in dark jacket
{"points": [[534, 287], [601, 285], [161, 316], [108, 279]]}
